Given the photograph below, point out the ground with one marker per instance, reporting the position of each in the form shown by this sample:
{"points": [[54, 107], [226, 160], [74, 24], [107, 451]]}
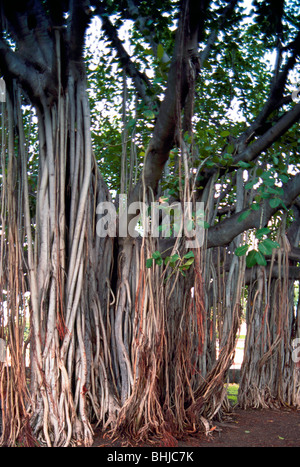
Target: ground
{"points": [[244, 428], [258, 428]]}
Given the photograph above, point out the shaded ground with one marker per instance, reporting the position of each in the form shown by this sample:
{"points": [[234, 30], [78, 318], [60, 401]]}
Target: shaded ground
{"points": [[246, 428], [259, 428]]}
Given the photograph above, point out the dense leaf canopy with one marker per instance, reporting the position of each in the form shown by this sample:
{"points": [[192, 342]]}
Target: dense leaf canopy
{"points": [[249, 69]]}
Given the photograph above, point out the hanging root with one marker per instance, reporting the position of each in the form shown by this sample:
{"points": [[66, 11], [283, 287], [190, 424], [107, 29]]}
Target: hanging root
{"points": [[269, 377], [211, 394]]}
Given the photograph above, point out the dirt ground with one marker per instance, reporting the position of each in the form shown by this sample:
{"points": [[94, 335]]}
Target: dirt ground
{"points": [[245, 428]]}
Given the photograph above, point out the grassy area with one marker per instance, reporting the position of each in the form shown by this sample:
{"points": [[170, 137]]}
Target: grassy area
{"points": [[232, 393]]}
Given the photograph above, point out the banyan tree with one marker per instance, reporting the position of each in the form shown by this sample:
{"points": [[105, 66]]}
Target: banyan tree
{"points": [[115, 316]]}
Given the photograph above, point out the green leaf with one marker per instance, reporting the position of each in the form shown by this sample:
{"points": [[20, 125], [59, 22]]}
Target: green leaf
{"points": [[174, 258], [255, 207], [269, 182], [261, 232], [264, 249], [156, 255], [267, 175], [149, 114], [160, 51], [244, 215], [190, 254], [243, 165], [251, 258], [276, 191], [225, 133], [149, 262], [284, 178], [187, 264], [228, 158], [270, 243], [230, 148], [251, 184], [275, 202], [187, 138], [241, 250], [260, 259], [131, 123]]}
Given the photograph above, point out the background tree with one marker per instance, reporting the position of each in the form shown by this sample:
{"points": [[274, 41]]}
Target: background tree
{"points": [[123, 331]]}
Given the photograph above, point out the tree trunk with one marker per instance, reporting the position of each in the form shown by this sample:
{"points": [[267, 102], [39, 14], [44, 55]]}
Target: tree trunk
{"points": [[70, 270]]}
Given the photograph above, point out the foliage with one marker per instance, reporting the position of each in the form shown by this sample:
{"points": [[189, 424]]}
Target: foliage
{"points": [[174, 261], [189, 101], [232, 88]]}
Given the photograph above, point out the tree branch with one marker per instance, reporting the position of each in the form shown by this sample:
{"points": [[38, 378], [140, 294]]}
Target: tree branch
{"points": [[141, 81], [182, 74], [33, 62], [223, 233], [276, 91], [29, 26], [214, 34], [80, 15], [13, 66], [257, 147], [144, 29]]}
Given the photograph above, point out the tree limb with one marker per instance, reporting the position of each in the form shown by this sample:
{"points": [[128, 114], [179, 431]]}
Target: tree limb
{"points": [[276, 91], [272, 135], [141, 81], [80, 15], [145, 30], [257, 147], [32, 61], [183, 71], [223, 233], [29, 26], [13, 66]]}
